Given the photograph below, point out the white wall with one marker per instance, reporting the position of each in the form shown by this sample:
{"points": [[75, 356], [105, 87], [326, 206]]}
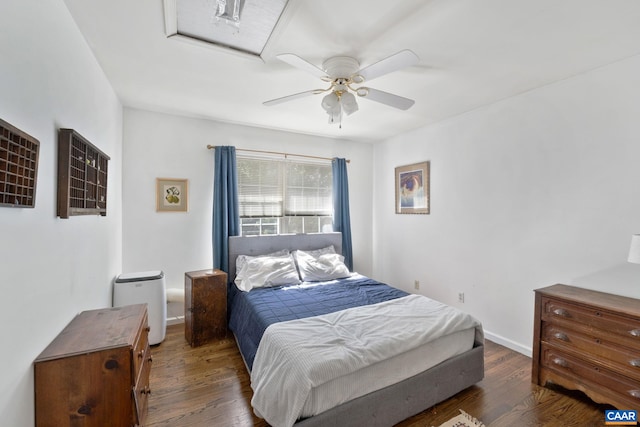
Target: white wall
{"points": [[160, 145], [51, 268], [538, 189]]}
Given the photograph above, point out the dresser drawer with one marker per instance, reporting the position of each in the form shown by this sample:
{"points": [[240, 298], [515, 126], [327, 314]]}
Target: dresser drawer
{"points": [[141, 393], [584, 372], [141, 349], [586, 317], [608, 353]]}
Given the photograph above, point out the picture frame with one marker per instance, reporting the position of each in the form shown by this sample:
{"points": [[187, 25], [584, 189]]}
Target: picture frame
{"points": [[412, 188], [172, 195]]}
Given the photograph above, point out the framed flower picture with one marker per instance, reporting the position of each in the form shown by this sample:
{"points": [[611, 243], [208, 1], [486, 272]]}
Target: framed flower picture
{"points": [[412, 189], [172, 195]]}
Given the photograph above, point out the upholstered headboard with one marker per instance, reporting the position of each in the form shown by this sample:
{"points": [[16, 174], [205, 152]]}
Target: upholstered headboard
{"points": [[260, 245]]}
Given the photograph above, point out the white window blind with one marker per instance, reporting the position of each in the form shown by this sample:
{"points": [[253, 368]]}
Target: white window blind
{"points": [[260, 188], [308, 189], [283, 196]]}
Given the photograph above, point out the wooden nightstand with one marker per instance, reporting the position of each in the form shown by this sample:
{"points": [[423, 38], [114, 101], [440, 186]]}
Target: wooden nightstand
{"points": [[205, 306]]}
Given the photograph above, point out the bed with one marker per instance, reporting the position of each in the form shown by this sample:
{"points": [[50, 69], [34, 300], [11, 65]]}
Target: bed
{"points": [[323, 352]]}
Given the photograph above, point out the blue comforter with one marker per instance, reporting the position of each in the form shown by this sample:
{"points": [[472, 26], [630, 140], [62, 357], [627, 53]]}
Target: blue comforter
{"points": [[252, 312]]}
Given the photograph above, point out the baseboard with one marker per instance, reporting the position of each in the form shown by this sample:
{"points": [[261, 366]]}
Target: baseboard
{"points": [[175, 320], [527, 351]]}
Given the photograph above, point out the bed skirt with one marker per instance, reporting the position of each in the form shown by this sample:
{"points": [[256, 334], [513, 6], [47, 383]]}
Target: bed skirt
{"points": [[395, 403]]}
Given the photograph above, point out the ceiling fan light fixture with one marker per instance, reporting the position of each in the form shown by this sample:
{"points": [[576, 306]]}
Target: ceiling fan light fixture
{"points": [[331, 103], [343, 72], [349, 104]]}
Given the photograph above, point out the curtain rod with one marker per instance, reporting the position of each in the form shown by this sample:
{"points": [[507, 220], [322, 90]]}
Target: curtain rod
{"points": [[210, 147]]}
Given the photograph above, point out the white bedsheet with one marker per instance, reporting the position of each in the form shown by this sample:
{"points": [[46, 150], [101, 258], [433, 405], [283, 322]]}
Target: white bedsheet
{"points": [[296, 356]]}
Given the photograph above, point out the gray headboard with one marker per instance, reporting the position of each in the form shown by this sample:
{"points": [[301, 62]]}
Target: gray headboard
{"points": [[260, 245]]}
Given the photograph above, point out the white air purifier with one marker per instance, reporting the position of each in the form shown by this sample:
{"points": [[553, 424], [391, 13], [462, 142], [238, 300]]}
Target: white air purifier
{"points": [[146, 287]]}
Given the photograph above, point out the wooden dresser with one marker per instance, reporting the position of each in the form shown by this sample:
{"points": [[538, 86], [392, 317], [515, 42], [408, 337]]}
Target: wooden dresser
{"points": [[96, 371], [205, 306], [589, 341]]}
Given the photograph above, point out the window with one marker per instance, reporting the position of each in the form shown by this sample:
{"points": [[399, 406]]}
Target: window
{"points": [[284, 196]]}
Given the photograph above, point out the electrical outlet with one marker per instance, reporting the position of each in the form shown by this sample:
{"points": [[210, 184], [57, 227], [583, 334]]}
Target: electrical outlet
{"points": [[460, 296], [416, 284]]}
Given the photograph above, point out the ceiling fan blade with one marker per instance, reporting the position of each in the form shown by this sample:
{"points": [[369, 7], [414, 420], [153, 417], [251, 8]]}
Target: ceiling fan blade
{"points": [[386, 98], [397, 61], [291, 97], [303, 64]]}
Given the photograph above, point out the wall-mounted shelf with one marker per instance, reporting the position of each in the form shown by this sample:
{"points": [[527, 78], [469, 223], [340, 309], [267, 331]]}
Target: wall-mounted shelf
{"points": [[82, 176], [18, 167]]}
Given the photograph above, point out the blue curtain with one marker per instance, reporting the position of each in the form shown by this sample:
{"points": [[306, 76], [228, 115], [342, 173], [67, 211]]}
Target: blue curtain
{"points": [[341, 217], [226, 219]]}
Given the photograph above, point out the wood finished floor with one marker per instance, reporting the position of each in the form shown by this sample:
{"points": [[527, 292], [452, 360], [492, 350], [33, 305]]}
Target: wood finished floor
{"points": [[209, 386]]}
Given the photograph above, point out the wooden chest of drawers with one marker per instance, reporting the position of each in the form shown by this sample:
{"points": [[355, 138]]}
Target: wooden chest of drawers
{"points": [[205, 306], [96, 371], [589, 341]]}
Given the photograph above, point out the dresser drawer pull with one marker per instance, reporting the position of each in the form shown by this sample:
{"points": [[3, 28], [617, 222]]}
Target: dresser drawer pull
{"points": [[635, 363], [561, 312], [145, 390], [635, 333], [561, 336], [635, 393], [561, 362], [141, 354]]}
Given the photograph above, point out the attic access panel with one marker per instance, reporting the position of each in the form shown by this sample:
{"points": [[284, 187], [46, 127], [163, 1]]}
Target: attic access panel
{"points": [[241, 25]]}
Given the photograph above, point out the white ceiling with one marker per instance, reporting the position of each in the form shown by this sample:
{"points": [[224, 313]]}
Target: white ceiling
{"points": [[472, 53]]}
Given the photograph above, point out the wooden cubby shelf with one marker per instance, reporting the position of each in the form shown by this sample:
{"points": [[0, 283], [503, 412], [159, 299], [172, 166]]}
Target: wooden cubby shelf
{"points": [[82, 176], [18, 167]]}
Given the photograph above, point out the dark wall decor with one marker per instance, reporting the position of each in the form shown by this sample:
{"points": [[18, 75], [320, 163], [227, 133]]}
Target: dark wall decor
{"points": [[82, 176], [18, 167]]}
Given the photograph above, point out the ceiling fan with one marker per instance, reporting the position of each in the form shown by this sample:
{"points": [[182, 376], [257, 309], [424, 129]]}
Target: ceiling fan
{"points": [[342, 73]]}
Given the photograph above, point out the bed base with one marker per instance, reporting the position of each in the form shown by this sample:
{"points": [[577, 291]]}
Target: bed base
{"points": [[397, 402]]}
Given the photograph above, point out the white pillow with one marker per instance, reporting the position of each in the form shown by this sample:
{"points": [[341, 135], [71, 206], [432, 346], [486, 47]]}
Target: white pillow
{"points": [[317, 252], [264, 271], [242, 259], [325, 266]]}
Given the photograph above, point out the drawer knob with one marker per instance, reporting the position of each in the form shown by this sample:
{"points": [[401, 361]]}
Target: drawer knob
{"points": [[561, 336], [635, 333], [150, 359], [145, 390], [561, 312], [635, 393], [141, 354], [635, 363], [561, 362]]}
